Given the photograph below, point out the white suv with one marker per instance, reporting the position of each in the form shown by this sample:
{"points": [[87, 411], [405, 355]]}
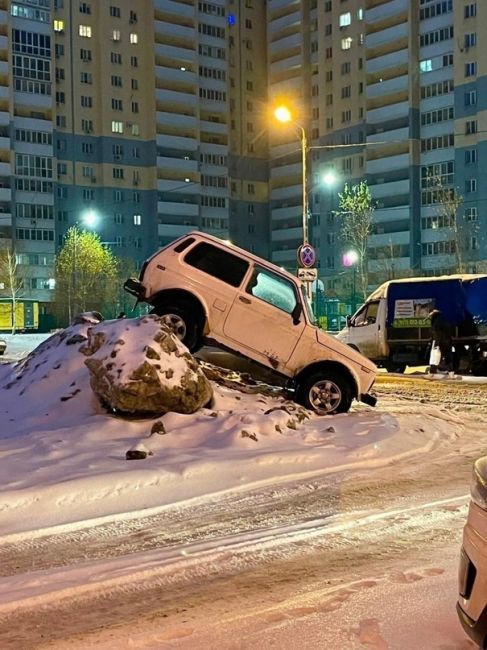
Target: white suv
{"points": [[206, 288]]}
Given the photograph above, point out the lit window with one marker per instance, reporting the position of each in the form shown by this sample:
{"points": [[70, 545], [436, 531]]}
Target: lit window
{"points": [[426, 65], [85, 30], [137, 220], [346, 43], [345, 19], [134, 38], [117, 127], [59, 25], [116, 35]]}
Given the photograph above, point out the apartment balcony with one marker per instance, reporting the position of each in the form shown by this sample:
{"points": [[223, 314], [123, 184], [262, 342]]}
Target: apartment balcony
{"points": [[167, 96], [179, 164], [176, 142], [183, 122], [284, 214], [275, 5], [386, 239], [177, 209], [387, 113], [4, 93], [213, 127], [176, 8], [390, 189], [5, 168], [3, 41], [179, 54], [390, 163], [385, 137], [287, 234], [282, 65], [165, 185], [284, 44], [6, 144], [437, 156], [176, 75], [287, 170], [386, 10], [387, 61], [290, 20], [390, 35], [386, 215], [286, 192], [33, 100], [4, 68], [396, 84], [170, 30]]}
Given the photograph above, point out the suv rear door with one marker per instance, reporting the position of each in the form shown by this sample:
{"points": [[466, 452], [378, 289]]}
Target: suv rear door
{"points": [[260, 317]]}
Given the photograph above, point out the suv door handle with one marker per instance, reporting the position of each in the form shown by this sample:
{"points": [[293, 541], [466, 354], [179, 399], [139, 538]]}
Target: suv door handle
{"points": [[245, 300]]}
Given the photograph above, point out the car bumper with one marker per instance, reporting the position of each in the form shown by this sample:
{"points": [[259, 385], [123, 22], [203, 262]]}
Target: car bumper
{"points": [[476, 630], [369, 399], [135, 288], [472, 576]]}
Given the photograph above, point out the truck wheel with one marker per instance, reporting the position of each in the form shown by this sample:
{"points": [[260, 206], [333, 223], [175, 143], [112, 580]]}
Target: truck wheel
{"points": [[326, 392], [178, 319]]}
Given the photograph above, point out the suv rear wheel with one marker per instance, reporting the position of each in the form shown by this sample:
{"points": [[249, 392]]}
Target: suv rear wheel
{"points": [[326, 392], [179, 320]]}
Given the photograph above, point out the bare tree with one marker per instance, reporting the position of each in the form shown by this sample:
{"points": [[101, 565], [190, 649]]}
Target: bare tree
{"points": [[356, 211], [13, 282]]}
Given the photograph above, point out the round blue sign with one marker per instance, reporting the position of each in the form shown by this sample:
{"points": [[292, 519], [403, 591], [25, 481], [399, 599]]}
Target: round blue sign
{"points": [[306, 256]]}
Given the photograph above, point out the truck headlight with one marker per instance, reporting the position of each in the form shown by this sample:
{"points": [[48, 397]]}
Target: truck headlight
{"points": [[478, 486]]}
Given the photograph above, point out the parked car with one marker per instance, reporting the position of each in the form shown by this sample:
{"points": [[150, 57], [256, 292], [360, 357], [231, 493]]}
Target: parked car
{"points": [[3, 346], [472, 575], [208, 289]]}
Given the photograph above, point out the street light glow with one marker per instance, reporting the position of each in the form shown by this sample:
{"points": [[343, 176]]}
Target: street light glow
{"points": [[90, 218], [350, 258], [283, 114], [330, 178]]}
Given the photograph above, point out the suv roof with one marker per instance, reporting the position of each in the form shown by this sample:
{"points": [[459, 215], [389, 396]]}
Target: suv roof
{"points": [[197, 234]]}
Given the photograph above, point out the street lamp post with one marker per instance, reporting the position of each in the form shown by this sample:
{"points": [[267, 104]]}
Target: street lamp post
{"points": [[350, 259], [283, 114]]}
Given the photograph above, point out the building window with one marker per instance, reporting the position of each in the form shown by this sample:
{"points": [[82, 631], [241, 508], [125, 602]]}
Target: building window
{"points": [[470, 185], [134, 62], [87, 171], [115, 57], [471, 127], [115, 35], [85, 55], [470, 40], [117, 104], [470, 156], [117, 127], [471, 214], [115, 12], [84, 8], [345, 19], [61, 121], [118, 172], [346, 43], [86, 101], [85, 31], [137, 220], [86, 78], [471, 69], [87, 126], [58, 26], [134, 38], [470, 10], [470, 98], [134, 84], [346, 91]]}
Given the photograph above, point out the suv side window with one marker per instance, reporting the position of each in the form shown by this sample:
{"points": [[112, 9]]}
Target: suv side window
{"points": [[218, 263], [273, 289]]}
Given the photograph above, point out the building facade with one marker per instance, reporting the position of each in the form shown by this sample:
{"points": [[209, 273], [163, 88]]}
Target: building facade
{"points": [[151, 120]]}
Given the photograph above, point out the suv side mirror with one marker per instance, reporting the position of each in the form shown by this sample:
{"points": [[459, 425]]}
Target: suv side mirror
{"points": [[296, 313], [349, 320]]}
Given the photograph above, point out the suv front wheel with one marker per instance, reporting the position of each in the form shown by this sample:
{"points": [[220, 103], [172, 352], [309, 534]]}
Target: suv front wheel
{"points": [[178, 319], [326, 392]]}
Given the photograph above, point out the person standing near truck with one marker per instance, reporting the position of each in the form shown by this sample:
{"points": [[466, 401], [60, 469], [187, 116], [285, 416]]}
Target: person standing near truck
{"points": [[441, 334]]}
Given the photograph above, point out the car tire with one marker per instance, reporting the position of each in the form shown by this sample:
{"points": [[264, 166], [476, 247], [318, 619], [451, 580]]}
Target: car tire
{"points": [[326, 392], [183, 325]]}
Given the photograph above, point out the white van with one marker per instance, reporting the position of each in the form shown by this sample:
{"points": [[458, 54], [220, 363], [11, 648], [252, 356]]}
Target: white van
{"points": [[209, 290]]}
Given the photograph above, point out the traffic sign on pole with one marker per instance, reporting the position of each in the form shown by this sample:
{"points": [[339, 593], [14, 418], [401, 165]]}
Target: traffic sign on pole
{"points": [[306, 256]]}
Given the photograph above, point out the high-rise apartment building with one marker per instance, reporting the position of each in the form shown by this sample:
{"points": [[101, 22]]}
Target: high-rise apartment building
{"points": [[157, 118]]}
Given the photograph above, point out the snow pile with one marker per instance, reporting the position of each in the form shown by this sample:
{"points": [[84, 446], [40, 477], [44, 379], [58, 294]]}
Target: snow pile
{"points": [[63, 458]]}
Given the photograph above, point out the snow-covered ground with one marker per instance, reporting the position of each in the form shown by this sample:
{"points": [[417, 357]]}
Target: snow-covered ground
{"points": [[63, 469]]}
